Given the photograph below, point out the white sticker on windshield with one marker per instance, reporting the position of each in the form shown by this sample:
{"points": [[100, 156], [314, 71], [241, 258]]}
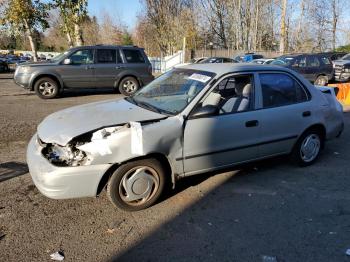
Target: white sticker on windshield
{"points": [[199, 77]]}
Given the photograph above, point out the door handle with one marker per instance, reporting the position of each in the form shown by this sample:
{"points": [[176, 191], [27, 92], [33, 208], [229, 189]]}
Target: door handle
{"points": [[119, 67], [252, 123], [306, 113], [89, 67]]}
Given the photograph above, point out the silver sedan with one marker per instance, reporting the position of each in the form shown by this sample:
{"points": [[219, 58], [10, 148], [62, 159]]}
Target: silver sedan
{"points": [[190, 120]]}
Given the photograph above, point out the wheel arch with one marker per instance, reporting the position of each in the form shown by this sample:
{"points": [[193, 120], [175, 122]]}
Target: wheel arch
{"points": [[117, 83], [320, 127], [159, 156], [52, 76]]}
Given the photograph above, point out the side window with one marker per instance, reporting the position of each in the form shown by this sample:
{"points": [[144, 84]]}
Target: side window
{"points": [[81, 57], [233, 94], [119, 58], [312, 61], [280, 90], [325, 60], [133, 56], [106, 56], [302, 61]]}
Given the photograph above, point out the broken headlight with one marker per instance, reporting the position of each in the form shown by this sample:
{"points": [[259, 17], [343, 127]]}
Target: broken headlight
{"points": [[68, 155]]}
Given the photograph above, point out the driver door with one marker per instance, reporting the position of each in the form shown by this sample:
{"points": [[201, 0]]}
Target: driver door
{"points": [[80, 72], [227, 137]]}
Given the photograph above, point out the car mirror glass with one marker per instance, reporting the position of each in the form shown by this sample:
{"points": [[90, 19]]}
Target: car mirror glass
{"points": [[202, 111], [67, 61]]}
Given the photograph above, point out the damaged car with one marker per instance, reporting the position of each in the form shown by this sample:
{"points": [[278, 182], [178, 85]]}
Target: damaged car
{"points": [[188, 121]]}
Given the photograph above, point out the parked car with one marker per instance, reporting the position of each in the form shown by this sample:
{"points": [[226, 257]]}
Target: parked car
{"points": [[215, 60], [317, 68], [190, 120], [262, 61], [192, 61], [4, 66], [251, 56], [239, 58], [342, 69], [126, 68], [334, 55]]}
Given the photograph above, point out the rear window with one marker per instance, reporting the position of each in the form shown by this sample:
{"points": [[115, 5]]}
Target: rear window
{"points": [[133, 56]]}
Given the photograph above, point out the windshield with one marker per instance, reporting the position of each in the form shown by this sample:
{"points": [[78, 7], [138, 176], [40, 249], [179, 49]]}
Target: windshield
{"points": [[173, 91], [283, 60], [346, 57], [59, 57]]}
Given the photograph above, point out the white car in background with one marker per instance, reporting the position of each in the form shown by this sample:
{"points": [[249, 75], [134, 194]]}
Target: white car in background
{"points": [[262, 61]]}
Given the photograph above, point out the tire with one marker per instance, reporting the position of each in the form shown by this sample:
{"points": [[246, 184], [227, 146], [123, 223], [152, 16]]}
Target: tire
{"points": [[128, 86], [308, 148], [139, 174], [321, 81], [46, 88]]}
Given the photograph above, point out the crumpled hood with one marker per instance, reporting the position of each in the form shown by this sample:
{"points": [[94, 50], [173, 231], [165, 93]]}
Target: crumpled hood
{"points": [[63, 126]]}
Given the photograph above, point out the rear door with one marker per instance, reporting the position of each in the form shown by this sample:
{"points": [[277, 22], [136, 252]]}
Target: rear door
{"points": [[136, 63], [286, 111], [313, 67], [108, 66], [80, 73]]}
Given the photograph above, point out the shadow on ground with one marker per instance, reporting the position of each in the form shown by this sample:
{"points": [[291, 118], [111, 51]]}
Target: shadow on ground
{"points": [[255, 215], [10, 170], [88, 92]]}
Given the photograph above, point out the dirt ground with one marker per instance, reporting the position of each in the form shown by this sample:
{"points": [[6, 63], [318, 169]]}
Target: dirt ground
{"points": [[267, 211]]}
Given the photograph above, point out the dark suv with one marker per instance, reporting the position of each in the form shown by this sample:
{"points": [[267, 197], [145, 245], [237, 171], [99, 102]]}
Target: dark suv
{"points": [[126, 68], [317, 68], [342, 69]]}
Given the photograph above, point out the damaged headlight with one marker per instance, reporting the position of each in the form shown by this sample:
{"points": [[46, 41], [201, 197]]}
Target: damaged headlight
{"points": [[68, 155]]}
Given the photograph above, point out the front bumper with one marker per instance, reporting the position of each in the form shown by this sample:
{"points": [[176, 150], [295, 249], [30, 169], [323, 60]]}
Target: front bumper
{"points": [[342, 76], [22, 80], [62, 182]]}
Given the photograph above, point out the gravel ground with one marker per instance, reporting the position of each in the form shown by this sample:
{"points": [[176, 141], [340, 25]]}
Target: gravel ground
{"points": [[266, 211]]}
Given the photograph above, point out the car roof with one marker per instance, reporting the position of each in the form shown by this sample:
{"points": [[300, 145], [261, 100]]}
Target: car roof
{"points": [[105, 47], [224, 68]]}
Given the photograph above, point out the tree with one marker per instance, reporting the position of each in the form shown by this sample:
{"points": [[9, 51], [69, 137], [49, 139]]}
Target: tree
{"points": [[26, 16], [73, 13], [127, 39], [283, 33]]}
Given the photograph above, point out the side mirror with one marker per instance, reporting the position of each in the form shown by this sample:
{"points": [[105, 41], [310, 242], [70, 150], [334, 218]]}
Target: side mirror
{"points": [[207, 110], [67, 61]]}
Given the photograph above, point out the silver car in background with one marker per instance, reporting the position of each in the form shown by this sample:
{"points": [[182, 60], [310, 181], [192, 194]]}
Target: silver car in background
{"points": [[188, 121]]}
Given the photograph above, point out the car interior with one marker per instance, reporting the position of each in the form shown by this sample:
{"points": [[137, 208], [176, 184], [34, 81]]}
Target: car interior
{"points": [[233, 94]]}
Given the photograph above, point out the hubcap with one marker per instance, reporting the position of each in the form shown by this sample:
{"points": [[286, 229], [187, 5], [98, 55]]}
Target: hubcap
{"points": [[46, 89], [139, 185], [129, 86], [321, 81], [310, 147]]}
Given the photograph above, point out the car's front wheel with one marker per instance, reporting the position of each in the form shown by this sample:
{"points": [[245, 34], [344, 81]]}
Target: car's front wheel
{"points": [[136, 185], [308, 147], [128, 86], [321, 81], [46, 88]]}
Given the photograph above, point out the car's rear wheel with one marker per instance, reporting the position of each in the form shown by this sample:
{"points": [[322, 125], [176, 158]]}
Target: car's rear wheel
{"points": [[136, 185], [308, 147], [321, 81], [46, 88], [128, 86]]}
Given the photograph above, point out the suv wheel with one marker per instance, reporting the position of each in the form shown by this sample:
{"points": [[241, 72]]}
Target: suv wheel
{"points": [[46, 88], [321, 81], [136, 185], [308, 148], [128, 86]]}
